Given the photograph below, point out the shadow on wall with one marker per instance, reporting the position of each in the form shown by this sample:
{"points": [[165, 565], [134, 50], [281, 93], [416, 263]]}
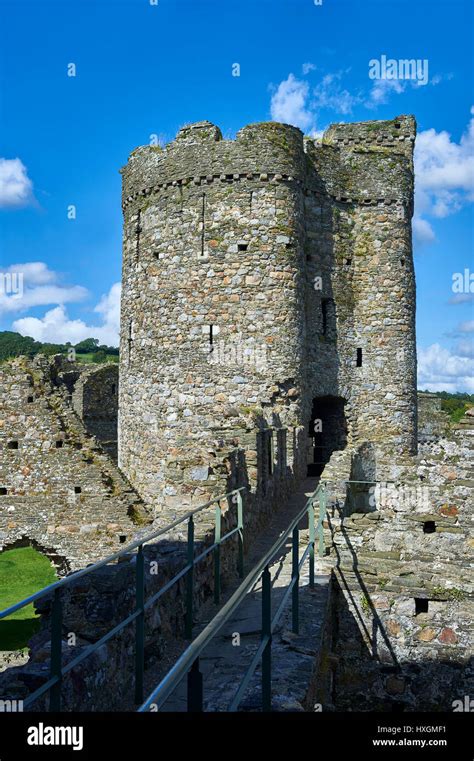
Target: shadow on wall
{"points": [[363, 669]]}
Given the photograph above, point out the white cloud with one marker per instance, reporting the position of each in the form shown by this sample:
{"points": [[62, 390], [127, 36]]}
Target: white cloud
{"points": [[444, 174], [56, 327], [466, 327], [16, 188], [382, 89], [422, 230], [465, 348], [461, 298], [289, 105], [440, 370], [40, 286], [329, 94], [307, 67]]}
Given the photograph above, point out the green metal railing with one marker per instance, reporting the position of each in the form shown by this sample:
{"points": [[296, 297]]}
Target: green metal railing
{"points": [[58, 671], [188, 663]]}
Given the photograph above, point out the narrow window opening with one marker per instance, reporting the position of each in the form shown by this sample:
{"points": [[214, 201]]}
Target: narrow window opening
{"points": [[242, 246], [30, 399], [421, 605], [77, 490], [270, 452], [138, 230], [122, 538], [202, 252], [359, 358], [402, 262], [114, 388], [59, 444], [348, 262], [129, 341], [324, 310], [3, 491], [12, 445], [429, 527]]}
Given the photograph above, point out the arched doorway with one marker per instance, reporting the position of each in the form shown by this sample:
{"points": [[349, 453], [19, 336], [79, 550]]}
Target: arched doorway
{"points": [[327, 430]]}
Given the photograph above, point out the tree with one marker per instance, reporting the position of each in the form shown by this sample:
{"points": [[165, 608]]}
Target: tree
{"points": [[87, 346]]}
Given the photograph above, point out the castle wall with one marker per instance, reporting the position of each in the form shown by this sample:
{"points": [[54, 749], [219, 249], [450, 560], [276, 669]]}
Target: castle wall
{"points": [[58, 489]]}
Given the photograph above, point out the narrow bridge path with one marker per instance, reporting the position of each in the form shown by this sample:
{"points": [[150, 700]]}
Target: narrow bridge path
{"points": [[294, 656]]}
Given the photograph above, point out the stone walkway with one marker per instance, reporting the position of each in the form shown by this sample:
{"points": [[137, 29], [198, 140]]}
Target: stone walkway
{"points": [[294, 657]]}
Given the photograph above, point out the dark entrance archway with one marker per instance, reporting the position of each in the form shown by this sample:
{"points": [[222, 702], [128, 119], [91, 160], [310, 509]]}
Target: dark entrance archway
{"points": [[328, 430]]}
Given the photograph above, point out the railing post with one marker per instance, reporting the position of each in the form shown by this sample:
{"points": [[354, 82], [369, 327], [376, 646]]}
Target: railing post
{"points": [[267, 632], [217, 554], [322, 517], [139, 625], [195, 690], [240, 526], [56, 654], [190, 582], [311, 543], [295, 578]]}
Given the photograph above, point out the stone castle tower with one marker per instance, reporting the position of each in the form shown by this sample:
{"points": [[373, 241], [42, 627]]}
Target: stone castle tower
{"points": [[268, 283]]}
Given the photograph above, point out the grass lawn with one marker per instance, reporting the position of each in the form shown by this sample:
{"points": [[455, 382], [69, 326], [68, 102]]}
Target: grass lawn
{"points": [[22, 572], [87, 358]]}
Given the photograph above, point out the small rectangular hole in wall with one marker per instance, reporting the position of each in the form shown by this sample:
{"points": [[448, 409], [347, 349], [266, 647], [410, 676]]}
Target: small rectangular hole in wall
{"points": [[359, 358], [347, 262], [77, 490], [242, 246], [12, 445], [429, 527], [421, 605], [59, 444], [3, 491], [402, 262], [122, 538], [114, 388], [30, 399]]}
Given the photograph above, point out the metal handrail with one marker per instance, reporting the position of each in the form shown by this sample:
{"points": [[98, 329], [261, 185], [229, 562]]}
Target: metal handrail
{"points": [[71, 578], [57, 670], [188, 662]]}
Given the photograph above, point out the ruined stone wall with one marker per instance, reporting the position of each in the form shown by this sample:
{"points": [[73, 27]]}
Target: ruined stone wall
{"points": [[432, 421], [95, 400], [58, 488], [232, 237], [401, 627]]}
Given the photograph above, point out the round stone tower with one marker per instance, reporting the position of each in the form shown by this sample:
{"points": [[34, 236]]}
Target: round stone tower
{"points": [[212, 317]]}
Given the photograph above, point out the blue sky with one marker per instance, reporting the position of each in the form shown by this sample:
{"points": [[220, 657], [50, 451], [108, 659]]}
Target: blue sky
{"points": [[145, 69]]}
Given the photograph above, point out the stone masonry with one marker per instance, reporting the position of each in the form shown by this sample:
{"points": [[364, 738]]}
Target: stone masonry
{"points": [[58, 488], [267, 282]]}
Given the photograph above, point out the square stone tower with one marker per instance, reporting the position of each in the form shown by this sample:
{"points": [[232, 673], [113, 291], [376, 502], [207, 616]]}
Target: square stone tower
{"points": [[268, 283]]}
